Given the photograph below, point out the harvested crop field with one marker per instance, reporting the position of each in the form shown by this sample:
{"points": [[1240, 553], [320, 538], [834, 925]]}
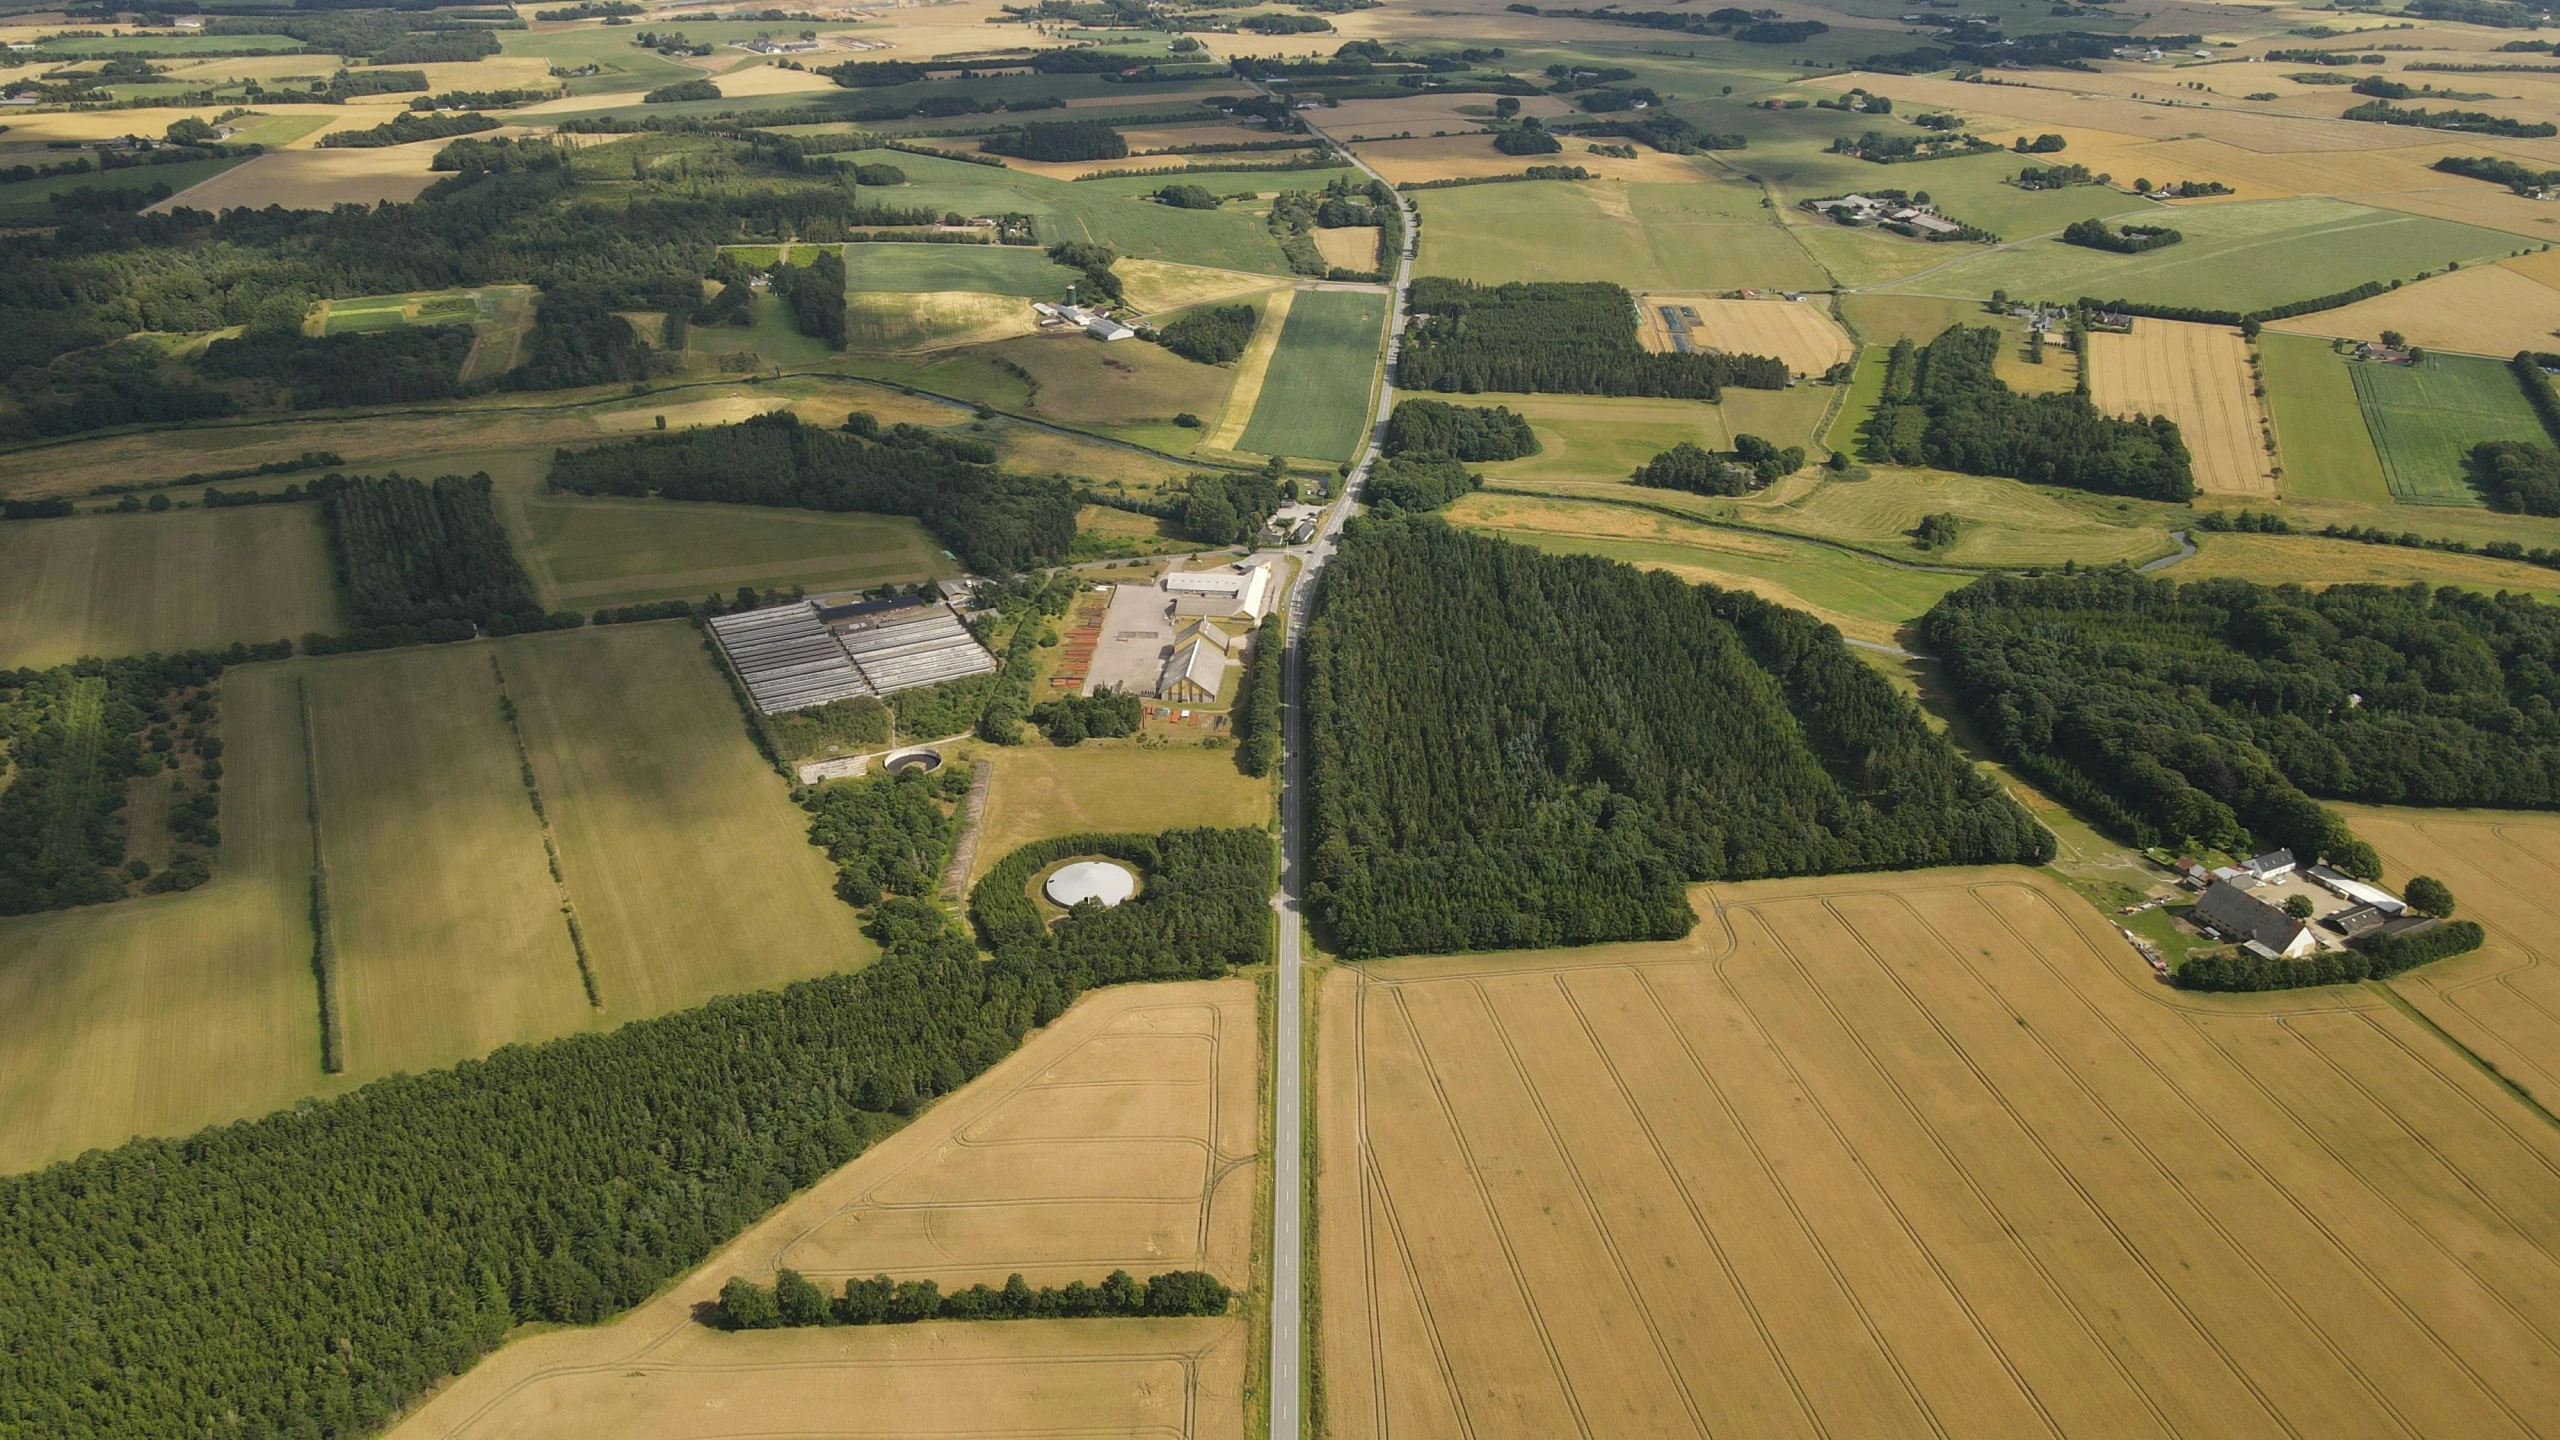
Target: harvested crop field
{"points": [[1349, 247], [1162, 1071], [1153, 285], [1928, 1153], [2502, 1000], [185, 579], [315, 179], [2479, 310], [1802, 333], [2197, 375]]}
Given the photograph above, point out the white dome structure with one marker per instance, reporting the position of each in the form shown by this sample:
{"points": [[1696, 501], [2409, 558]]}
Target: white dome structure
{"points": [[1090, 880]]}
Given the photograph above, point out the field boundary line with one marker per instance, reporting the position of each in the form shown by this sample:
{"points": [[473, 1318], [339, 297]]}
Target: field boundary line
{"points": [[1251, 369], [1493, 1218], [1777, 1186], [325, 971], [550, 844], [1973, 1185], [2193, 1020], [1689, 1202], [1590, 1208], [1848, 1147]]}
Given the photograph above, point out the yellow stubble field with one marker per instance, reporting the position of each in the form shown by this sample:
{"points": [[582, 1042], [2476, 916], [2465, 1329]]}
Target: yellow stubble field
{"points": [[2197, 375], [1125, 1136], [1903, 1155], [1800, 332], [2493, 310]]}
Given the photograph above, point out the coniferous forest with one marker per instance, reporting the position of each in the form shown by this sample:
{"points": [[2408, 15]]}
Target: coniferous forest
{"points": [[309, 1273], [2213, 712], [410, 553], [1511, 748], [1943, 406], [1436, 429], [1555, 336], [996, 522]]}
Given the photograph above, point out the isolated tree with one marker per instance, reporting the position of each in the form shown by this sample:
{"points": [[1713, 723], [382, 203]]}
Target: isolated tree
{"points": [[2394, 339], [2429, 896], [1506, 107], [2298, 906]]}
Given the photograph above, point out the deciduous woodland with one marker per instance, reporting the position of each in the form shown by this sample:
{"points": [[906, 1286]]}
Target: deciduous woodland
{"points": [[1511, 748], [1436, 429], [996, 522], [1567, 338], [310, 1273], [1943, 406], [2214, 712]]}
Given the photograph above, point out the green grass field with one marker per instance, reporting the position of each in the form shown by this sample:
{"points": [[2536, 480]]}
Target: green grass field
{"points": [[2240, 256], [772, 337], [992, 269], [125, 584], [1595, 437], [1315, 398], [2426, 417], [1123, 384], [1866, 387], [2321, 439], [1867, 598], [31, 200], [391, 312], [1711, 235], [591, 553], [691, 870]]}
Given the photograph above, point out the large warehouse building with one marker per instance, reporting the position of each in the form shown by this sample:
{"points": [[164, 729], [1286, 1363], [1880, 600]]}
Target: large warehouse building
{"points": [[812, 652]]}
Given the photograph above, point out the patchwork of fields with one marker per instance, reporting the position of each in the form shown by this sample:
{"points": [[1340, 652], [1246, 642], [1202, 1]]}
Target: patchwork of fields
{"points": [[1892, 1155], [1123, 1136]]}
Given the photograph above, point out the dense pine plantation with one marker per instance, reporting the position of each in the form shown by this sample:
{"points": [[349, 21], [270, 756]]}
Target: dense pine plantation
{"points": [[1438, 430], [1943, 406], [1419, 484], [1519, 749], [2213, 712], [1555, 336], [412, 554], [309, 1273], [997, 523]]}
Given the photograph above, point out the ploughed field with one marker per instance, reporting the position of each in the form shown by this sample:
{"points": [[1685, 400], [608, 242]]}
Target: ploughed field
{"points": [[1894, 1155]]}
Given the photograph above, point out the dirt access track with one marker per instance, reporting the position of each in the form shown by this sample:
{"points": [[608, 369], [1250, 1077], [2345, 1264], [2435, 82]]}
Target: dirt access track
{"points": [[1908, 1155], [1124, 1136]]}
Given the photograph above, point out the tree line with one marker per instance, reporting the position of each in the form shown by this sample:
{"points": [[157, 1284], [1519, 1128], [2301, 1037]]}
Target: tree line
{"points": [[2123, 240], [313, 1272], [2211, 714], [791, 1300], [1510, 748], [1554, 336], [1438, 430], [1257, 713], [1943, 405], [2376, 959], [997, 522]]}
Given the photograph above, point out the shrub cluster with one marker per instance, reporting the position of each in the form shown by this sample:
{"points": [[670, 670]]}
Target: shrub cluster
{"points": [[1106, 714]]}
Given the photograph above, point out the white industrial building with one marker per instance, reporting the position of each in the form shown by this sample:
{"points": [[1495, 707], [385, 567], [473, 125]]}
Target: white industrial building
{"points": [[813, 652], [1095, 323]]}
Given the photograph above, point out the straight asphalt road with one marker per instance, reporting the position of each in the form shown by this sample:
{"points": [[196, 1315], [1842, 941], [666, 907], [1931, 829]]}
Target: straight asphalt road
{"points": [[1288, 1047]]}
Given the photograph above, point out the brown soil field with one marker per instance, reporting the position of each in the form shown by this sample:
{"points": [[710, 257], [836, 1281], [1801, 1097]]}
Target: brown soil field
{"points": [[1917, 1154], [2493, 310], [1802, 333], [315, 179], [2197, 375], [1349, 247], [2503, 1000], [1039, 1138]]}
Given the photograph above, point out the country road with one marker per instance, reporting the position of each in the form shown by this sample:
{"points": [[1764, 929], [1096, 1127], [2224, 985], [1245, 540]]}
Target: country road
{"points": [[1288, 1045]]}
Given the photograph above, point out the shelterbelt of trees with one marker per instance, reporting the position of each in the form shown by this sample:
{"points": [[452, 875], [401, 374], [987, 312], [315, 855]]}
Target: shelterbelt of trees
{"points": [[597, 228], [2214, 712], [1519, 749], [1574, 338], [309, 1273], [997, 522], [1942, 405]]}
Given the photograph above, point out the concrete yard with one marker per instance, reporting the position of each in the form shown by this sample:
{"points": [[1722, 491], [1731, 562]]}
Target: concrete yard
{"points": [[1137, 636]]}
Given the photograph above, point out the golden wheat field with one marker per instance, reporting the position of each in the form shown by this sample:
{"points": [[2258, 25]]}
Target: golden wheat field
{"points": [[1123, 1136], [2502, 1000], [314, 179], [2197, 375], [1800, 332], [1919, 1154], [2485, 310], [1349, 247]]}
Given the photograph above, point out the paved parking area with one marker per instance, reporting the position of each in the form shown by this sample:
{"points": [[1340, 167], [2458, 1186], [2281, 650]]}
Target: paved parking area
{"points": [[1137, 637]]}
